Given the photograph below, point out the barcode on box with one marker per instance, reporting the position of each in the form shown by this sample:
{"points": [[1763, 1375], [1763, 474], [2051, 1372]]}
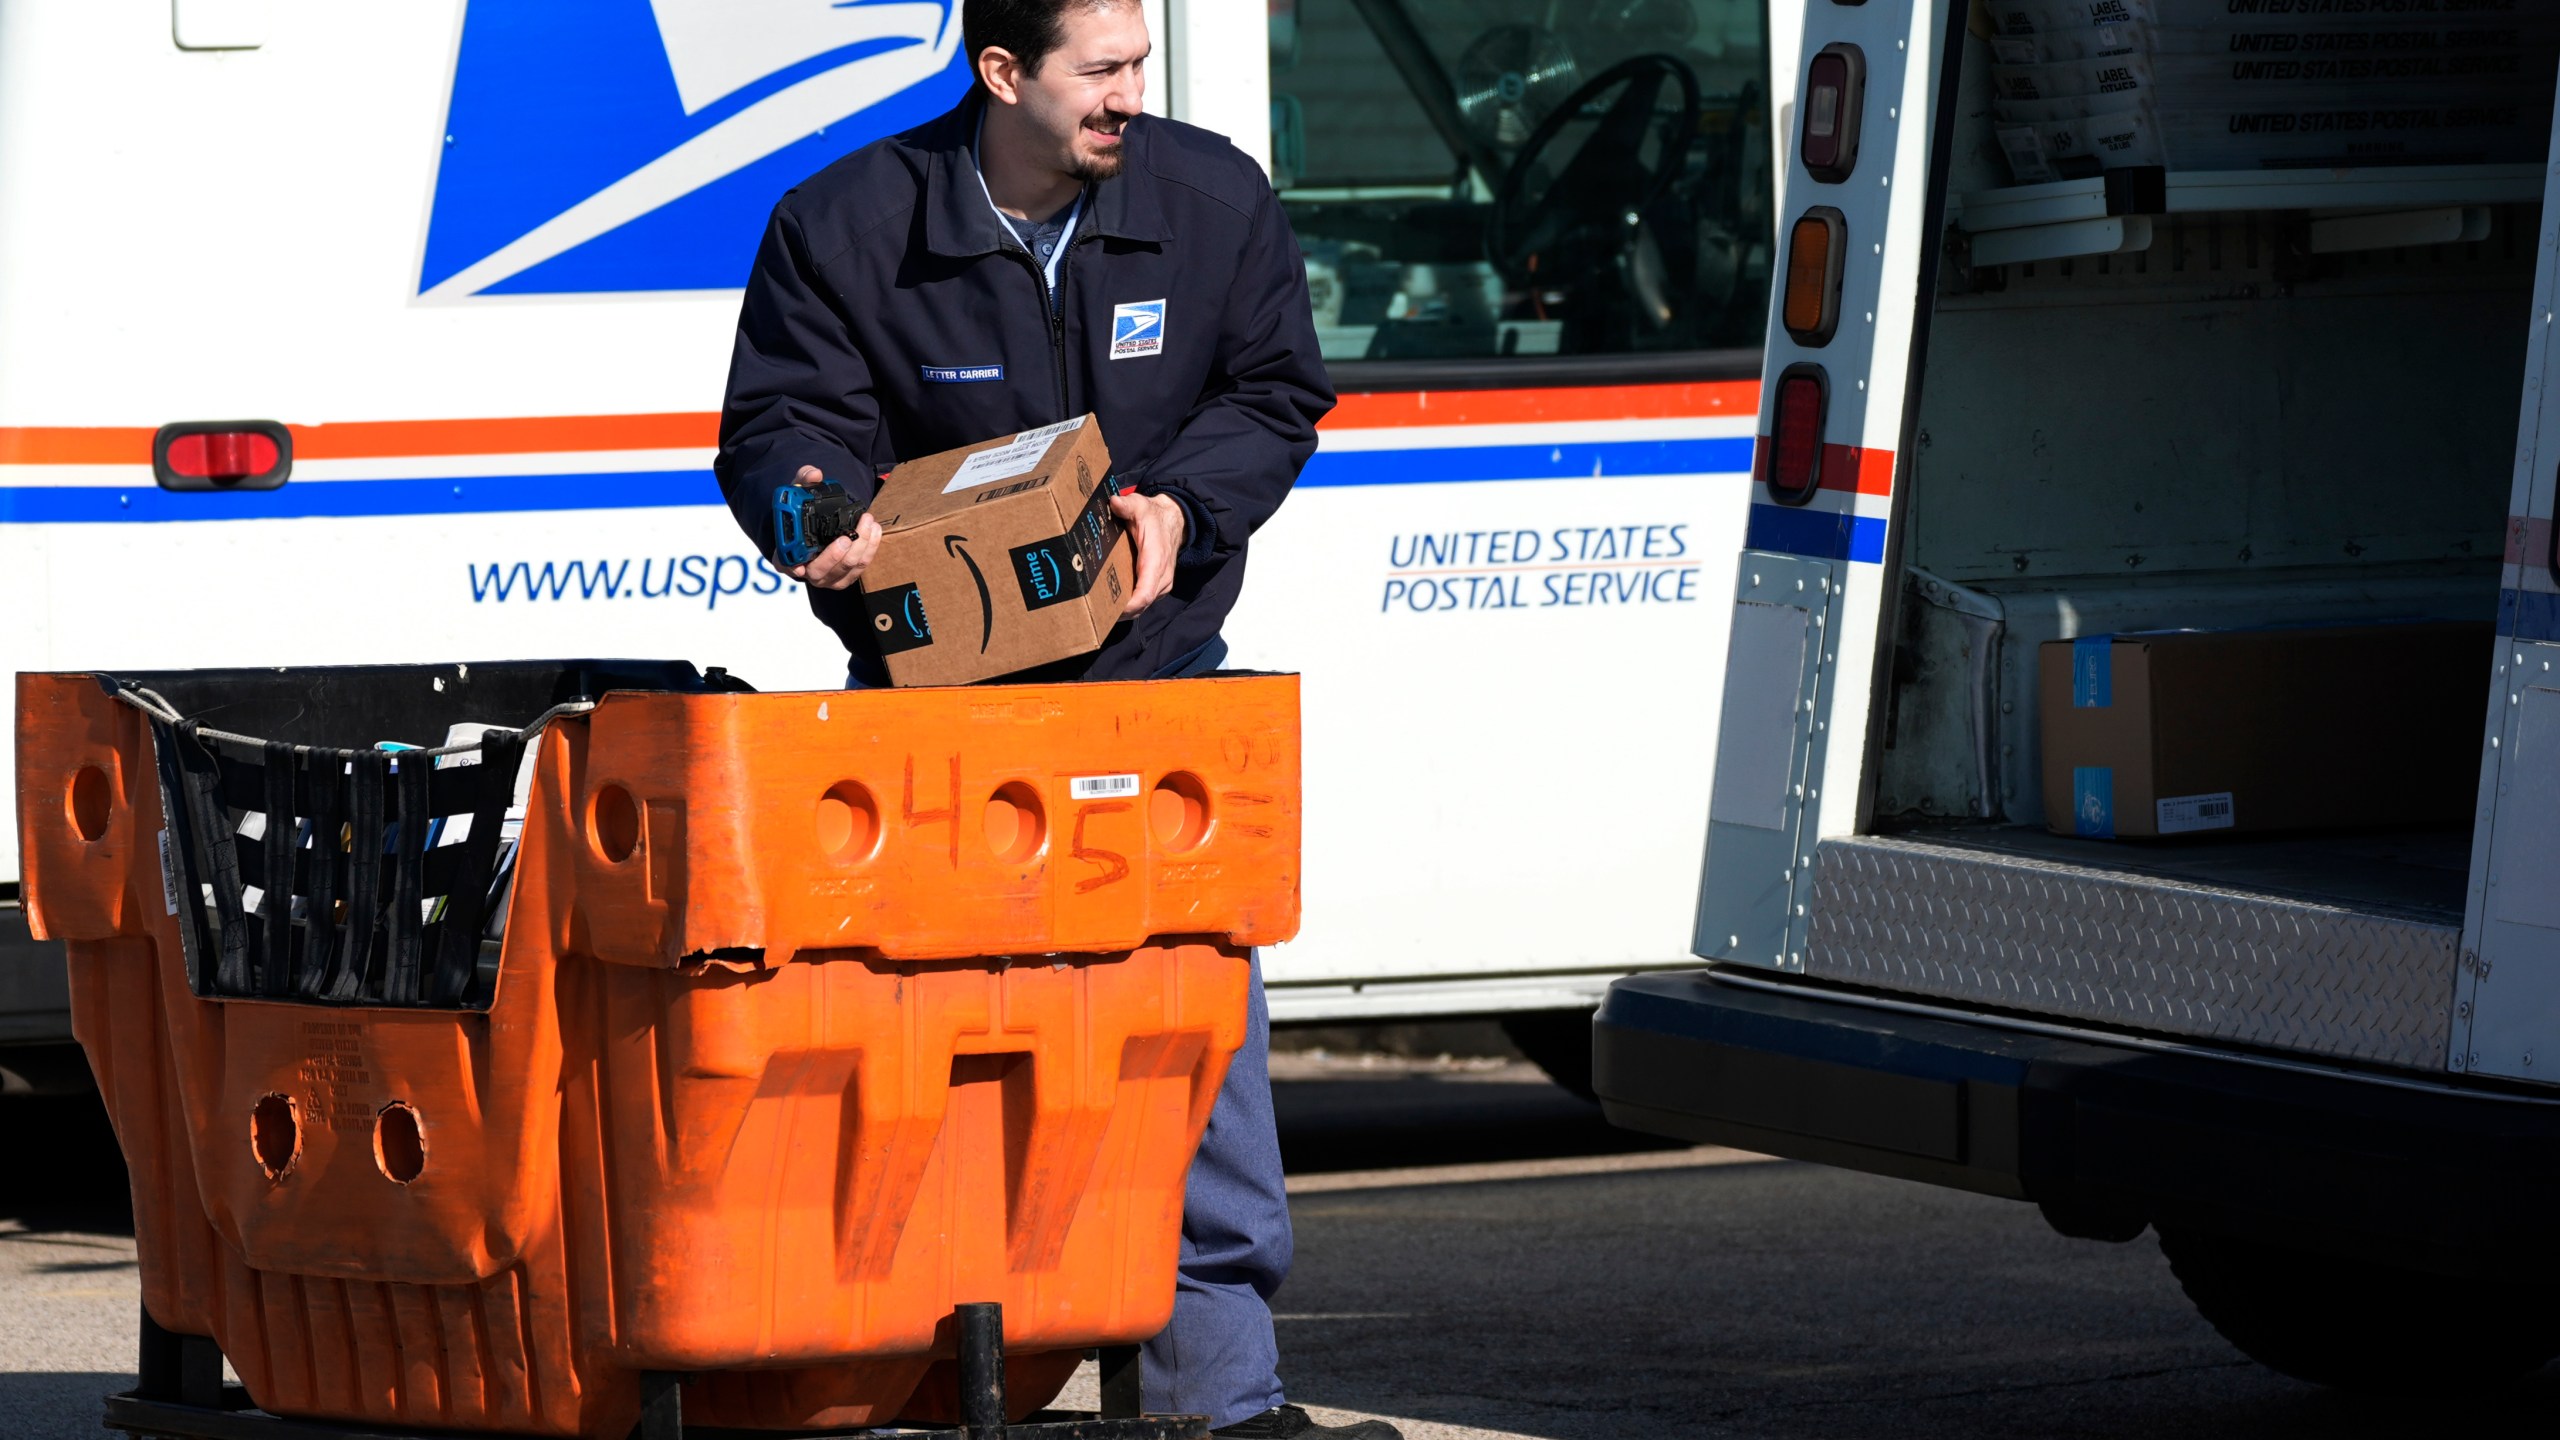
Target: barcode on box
{"points": [[2182, 813], [1102, 787]]}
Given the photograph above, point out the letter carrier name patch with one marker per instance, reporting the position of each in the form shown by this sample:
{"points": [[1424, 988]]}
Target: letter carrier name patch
{"points": [[1137, 329], [961, 374]]}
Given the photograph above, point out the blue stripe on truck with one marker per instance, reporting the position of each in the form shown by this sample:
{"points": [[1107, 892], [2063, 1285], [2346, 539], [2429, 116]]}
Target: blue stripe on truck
{"points": [[634, 489], [1569, 461], [349, 499], [1822, 534], [2529, 615]]}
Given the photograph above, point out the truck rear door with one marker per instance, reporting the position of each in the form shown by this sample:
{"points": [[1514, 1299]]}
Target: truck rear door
{"points": [[1815, 586], [2507, 1001]]}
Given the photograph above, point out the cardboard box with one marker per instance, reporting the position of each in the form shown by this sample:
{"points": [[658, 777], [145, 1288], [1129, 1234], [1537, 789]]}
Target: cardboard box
{"points": [[998, 556], [2176, 732]]}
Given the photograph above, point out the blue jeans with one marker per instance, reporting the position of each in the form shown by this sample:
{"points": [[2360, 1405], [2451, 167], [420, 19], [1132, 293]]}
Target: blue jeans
{"points": [[1219, 1356]]}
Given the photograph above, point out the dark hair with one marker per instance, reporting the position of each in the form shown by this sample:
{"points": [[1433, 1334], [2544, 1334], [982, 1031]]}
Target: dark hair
{"points": [[1030, 29]]}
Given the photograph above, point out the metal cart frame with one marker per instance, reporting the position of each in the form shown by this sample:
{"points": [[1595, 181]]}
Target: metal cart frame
{"points": [[182, 1396]]}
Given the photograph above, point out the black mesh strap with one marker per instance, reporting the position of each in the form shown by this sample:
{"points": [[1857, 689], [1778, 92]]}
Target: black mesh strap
{"points": [[324, 781], [356, 971], [208, 825], [411, 817], [458, 946], [182, 862], [271, 962], [330, 926]]}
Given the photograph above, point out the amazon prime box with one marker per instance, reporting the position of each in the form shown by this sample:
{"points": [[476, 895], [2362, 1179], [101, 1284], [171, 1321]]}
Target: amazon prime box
{"points": [[998, 556]]}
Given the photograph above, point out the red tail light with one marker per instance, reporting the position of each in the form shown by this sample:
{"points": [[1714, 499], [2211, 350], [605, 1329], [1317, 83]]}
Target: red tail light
{"points": [[222, 455], [1795, 442]]}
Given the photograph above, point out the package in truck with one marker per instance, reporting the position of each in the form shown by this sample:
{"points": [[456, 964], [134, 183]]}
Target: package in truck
{"points": [[2307, 727], [998, 557]]}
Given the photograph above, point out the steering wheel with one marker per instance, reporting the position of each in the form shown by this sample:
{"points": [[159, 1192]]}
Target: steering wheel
{"points": [[1590, 216]]}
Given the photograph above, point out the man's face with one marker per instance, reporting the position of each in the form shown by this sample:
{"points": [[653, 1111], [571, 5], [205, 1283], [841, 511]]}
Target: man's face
{"points": [[1089, 87]]}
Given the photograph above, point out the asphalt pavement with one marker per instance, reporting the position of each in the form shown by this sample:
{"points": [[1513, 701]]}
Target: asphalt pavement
{"points": [[1480, 1256]]}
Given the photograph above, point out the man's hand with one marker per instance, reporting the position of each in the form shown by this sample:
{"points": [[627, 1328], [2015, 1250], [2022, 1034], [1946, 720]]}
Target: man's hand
{"points": [[1155, 525], [840, 565]]}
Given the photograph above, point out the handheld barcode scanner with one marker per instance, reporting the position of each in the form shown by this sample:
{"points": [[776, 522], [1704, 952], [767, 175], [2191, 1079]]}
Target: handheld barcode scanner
{"points": [[807, 519]]}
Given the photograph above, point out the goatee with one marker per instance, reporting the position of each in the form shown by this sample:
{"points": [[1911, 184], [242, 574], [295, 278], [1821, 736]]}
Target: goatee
{"points": [[1089, 168]]}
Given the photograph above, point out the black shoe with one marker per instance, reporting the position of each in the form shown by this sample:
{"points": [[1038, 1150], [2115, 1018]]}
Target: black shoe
{"points": [[1288, 1422]]}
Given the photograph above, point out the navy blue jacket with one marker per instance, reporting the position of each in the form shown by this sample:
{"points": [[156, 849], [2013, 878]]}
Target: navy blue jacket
{"points": [[887, 285]]}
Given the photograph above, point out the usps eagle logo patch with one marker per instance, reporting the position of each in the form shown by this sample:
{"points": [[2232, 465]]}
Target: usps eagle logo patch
{"points": [[1137, 329]]}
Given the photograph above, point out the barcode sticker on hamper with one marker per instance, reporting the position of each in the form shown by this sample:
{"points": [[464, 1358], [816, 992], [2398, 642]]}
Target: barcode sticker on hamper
{"points": [[2182, 813], [169, 885], [1102, 787]]}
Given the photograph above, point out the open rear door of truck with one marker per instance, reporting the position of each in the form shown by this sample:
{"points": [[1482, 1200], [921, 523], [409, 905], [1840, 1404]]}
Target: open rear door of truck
{"points": [[1838, 408], [2507, 1000]]}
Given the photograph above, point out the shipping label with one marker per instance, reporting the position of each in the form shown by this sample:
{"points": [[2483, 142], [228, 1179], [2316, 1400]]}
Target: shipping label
{"points": [[1012, 458], [2182, 814]]}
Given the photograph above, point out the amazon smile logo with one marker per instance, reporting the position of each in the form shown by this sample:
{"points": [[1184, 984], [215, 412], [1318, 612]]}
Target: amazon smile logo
{"points": [[598, 146], [986, 597]]}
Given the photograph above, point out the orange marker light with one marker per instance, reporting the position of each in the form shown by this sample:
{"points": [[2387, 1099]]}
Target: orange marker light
{"points": [[1815, 249]]}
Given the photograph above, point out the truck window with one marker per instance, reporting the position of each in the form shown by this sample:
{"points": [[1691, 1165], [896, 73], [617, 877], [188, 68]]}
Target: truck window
{"points": [[1511, 180]]}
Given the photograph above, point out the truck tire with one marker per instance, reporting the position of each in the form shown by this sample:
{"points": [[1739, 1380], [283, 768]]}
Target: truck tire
{"points": [[1558, 1042], [2361, 1326]]}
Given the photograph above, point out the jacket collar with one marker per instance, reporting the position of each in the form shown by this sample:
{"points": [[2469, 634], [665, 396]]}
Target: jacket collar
{"points": [[958, 221]]}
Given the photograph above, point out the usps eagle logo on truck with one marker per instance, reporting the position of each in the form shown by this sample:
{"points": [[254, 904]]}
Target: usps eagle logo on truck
{"points": [[596, 146]]}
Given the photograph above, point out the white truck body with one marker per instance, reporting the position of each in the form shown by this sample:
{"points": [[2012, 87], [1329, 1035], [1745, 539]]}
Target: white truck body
{"points": [[483, 263]]}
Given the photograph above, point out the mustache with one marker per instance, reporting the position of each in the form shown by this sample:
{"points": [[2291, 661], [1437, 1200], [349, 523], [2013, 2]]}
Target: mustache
{"points": [[1113, 118]]}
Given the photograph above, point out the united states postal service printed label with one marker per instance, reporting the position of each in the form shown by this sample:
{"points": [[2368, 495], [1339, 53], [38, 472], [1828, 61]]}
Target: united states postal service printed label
{"points": [[1137, 329]]}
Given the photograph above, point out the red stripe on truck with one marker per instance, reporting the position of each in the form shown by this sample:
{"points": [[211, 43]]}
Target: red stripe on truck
{"points": [[1848, 468], [555, 434], [383, 439], [1534, 407]]}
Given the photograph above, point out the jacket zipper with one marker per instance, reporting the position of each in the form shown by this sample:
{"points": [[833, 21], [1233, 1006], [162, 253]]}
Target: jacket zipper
{"points": [[1057, 322], [1058, 318], [1058, 350]]}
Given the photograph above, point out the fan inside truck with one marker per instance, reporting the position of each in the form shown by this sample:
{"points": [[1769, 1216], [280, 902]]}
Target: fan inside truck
{"points": [[2138, 785]]}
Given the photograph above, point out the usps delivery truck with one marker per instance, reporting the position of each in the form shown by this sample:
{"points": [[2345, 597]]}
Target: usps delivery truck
{"points": [[339, 333], [2034, 411]]}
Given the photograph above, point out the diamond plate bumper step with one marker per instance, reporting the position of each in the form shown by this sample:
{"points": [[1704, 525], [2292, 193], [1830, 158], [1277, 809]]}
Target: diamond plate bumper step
{"points": [[2037, 929]]}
